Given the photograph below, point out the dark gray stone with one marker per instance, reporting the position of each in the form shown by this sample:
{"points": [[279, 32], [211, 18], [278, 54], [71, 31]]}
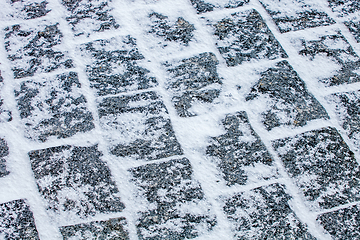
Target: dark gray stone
{"points": [[344, 7], [53, 107], [264, 213], [17, 221], [240, 152], [5, 114], [354, 28], [112, 229], [244, 36], [322, 166], [4, 152], [204, 6], [336, 48], [343, 223], [138, 126], [28, 9], [113, 66], [177, 207], [74, 181], [33, 50], [291, 103], [193, 79], [293, 15], [87, 16]]}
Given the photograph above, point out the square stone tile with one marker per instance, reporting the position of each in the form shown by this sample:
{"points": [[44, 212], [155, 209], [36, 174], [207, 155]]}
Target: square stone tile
{"points": [[293, 15], [344, 7], [244, 36], [240, 153], [74, 182], [343, 223], [177, 208], [5, 114], [17, 221], [24, 9], [87, 16], [114, 66], [138, 126], [354, 28], [193, 80], [4, 152], [322, 166], [210, 5], [288, 103], [112, 229], [53, 107], [264, 213], [36, 49]]}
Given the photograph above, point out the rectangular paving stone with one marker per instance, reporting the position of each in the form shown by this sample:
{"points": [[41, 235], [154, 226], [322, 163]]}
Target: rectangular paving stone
{"points": [[343, 223], [25, 9], [322, 166], [54, 106], [344, 7], [336, 49], [354, 28], [193, 80], [17, 221], [5, 114], [138, 126], [88, 16], [287, 99], [244, 36], [34, 50], [4, 152], [240, 153], [264, 213], [202, 6], [293, 15], [177, 208], [114, 66], [74, 182], [112, 229]]}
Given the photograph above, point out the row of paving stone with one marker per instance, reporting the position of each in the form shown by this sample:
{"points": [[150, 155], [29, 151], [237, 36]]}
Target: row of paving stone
{"points": [[75, 180]]}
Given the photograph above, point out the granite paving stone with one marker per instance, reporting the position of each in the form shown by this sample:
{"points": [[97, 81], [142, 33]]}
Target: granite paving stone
{"points": [[5, 114], [344, 7], [4, 152], [17, 221], [36, 49], [244, 36], [293, 15], [177, 206], [354, 28], [114, 66], [193, 80], [112, 229], [27, 9], [54, 106], [138, 126], [322, 166], [342, 223], [75, 182], [240, 153], [264, 213], [202, 6], [288, 101]]}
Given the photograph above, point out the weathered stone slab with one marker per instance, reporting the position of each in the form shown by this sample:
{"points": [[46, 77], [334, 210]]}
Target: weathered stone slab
{"points": [[344, 7], [113, 66], [53, 107], [322, 166], [177, 208], [210, 5], [138, 126], [25, 9], [74, 182], [17, 221], [4, 152], [35, 49], [264, 213], [354, 28], [240, 153], [5, 114]]}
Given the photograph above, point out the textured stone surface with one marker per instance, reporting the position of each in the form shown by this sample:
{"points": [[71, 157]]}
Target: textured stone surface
{"points": [[241, 155], [244, 36], [290, 102], [264, 213], [344, 7], [113, 67], [28, 9], [343, 223], [293, 15], [354, 28], [112, 229], [4, 152], [87, 16], [35, 50], [193, 80], [5, 114], [177, 207], [322, 166], [138, 126], [208, 6], [16, 221], [74, 182], [53, 107]]}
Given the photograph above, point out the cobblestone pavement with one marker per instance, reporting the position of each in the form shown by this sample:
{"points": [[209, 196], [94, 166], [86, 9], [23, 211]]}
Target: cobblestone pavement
{"points": [[179, 119]]}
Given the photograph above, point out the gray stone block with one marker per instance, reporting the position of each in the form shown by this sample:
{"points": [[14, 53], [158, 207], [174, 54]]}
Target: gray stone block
{"points": [[344, 7], [208, 6], [4, 152], [28, 9], [5, 114], [354, 28]]}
